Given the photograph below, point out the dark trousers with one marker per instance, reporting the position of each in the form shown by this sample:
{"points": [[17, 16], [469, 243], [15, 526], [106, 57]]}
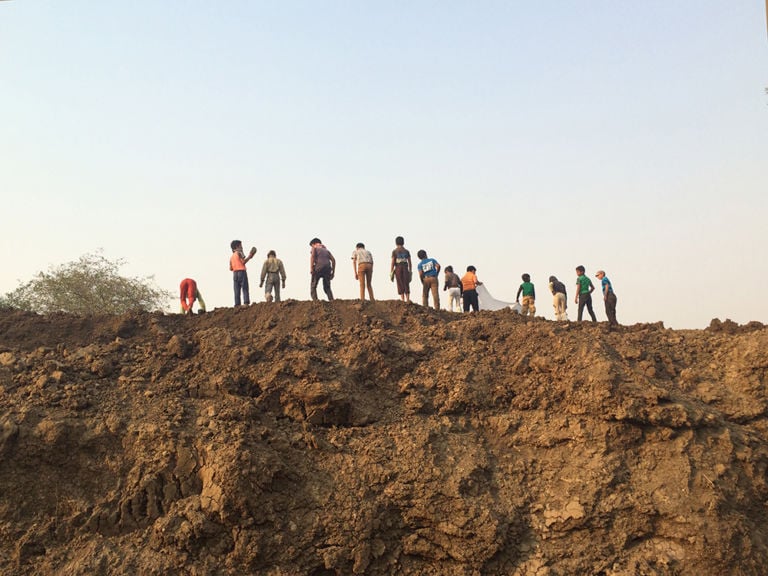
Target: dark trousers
{"points": [[240, 281], [325, 274], [610, 309], [470, 299], [586, 300]]}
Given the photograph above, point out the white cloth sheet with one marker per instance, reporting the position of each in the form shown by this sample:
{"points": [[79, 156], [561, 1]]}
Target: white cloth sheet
{"points": [[488, 302]]}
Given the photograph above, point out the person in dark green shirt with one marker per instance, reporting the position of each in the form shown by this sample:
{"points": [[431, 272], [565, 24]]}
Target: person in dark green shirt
{"points": [[529, 296], [584, 289]]}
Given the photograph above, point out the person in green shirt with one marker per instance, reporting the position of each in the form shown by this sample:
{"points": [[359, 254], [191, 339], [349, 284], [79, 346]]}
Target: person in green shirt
{"points": [[529, 296], [584, 289]]}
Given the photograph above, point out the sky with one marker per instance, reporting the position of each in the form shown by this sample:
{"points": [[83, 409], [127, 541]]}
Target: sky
{"points": [[514, 136]]}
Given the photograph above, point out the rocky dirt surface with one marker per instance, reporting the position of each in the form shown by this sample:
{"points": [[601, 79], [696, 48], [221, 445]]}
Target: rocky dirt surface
{"points": [[347, 438]]}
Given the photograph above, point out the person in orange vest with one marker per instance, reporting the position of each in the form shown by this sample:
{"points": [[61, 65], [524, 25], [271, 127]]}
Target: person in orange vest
{"points": [[190, 293], [237, 263], [469, 284]]}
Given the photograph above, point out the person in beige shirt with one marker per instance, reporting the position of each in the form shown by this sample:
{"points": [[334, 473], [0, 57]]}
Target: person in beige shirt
{"points": [[273, 273], [362, 264]]}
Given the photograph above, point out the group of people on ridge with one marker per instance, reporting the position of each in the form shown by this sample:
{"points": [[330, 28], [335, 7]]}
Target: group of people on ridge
{"points": [[322, 267], [584, 289], [401, 272]]}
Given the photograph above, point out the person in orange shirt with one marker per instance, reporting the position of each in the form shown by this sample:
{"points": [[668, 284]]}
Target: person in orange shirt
{"points": [[190, 293], [237, 263], [469, 284]]}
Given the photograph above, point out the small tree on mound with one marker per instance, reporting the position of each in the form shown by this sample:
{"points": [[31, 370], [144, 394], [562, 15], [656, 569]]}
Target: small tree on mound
{"points": [[90, 285]]}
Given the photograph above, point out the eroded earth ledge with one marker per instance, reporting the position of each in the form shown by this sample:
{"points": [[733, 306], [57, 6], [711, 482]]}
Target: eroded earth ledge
{"points": [[346, 438]]}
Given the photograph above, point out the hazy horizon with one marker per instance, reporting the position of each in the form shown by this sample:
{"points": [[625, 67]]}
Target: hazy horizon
{"points": [[511, 136]]}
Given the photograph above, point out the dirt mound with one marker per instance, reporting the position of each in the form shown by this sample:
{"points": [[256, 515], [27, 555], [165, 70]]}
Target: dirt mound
{"points": [[347, 438]]}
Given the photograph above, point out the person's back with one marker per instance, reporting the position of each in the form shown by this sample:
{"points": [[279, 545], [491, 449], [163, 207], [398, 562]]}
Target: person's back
{"points": [[429, 268], [528, 291], [273, 265], [401, 255], [362, 264], [557, 287], [322, 257], [189, 293], [584, 288], [452, 284], [322, 266], [559, 298], [469, 283], [451, 279], [273, 274], [584, 284], [400, 269], [527, 288]]}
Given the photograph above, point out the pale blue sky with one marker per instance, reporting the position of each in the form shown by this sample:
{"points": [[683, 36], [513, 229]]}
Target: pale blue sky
{"points": [[515, 136]]}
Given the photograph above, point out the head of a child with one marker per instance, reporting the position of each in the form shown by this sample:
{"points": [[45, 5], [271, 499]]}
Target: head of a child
{"points": [[271, 254], [553, 278], [471, 269], [314, 241], [526, 277], [236, 245], [421, 254], [600, 274], [360, 245], [580, 270], [399, 241]]}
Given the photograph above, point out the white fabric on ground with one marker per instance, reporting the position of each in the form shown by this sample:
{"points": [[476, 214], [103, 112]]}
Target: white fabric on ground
{"points": [[488, 302]]}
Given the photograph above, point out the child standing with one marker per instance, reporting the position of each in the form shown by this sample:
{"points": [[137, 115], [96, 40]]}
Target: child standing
{"points": [[362, 264], [272, 271], [322, 266], [529, 296], [401, 269], [237, 263], [469, 284], [429, 268], [584, 289], [609, 297], [452, 283]]}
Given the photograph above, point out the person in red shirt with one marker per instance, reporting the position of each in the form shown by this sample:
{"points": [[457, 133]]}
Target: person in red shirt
{"points": [[190, 293]]}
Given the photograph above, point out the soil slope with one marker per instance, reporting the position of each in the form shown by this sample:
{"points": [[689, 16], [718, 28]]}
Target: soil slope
{"points": [[348, 438]]}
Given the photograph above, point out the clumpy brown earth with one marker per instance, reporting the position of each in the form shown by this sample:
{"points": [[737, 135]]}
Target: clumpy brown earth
{"points": [[347, 438]]}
